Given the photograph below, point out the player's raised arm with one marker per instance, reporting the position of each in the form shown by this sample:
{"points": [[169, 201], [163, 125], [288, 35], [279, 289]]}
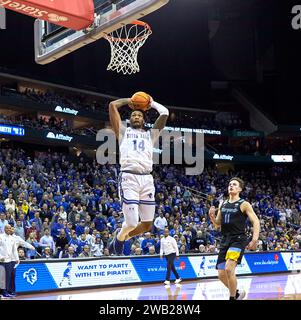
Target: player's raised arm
{"points": [[115, 119], [161, 120]]}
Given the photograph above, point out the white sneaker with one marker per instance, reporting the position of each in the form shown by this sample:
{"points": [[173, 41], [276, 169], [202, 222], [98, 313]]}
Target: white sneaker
{"points": [[166, 282], [242, 294], [178, 281]]}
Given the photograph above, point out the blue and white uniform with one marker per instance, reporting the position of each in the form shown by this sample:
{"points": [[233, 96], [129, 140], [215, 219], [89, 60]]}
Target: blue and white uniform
{"points": [[136, 184]]}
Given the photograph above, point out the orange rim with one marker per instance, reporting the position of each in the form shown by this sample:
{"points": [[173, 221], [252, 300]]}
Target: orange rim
{"points": [[138, 23]]}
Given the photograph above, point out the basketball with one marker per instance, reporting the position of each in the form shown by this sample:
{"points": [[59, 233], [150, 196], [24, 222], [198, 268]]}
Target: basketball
{"points": [[141, 101]]}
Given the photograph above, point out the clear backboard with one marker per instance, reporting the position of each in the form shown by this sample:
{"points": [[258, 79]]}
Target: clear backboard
{"points": [[53, 42]]}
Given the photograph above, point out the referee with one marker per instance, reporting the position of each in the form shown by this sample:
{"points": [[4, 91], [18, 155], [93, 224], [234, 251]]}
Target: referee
{"points": [[8, 258], [169, 248]]}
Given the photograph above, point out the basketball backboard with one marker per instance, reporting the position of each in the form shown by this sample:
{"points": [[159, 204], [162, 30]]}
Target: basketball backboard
{"points": [[53, 42]]}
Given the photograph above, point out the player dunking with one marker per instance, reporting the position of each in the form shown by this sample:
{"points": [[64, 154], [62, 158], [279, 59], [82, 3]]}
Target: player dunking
{"points": [[231, 217], [136, 185]]}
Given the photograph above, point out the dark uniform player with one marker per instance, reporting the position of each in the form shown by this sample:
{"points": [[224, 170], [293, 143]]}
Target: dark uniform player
{"points": [[234, 239], [231, 218]]}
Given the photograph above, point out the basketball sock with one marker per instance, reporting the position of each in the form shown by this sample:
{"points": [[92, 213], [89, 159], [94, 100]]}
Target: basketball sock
{"points": [[237, 294]]}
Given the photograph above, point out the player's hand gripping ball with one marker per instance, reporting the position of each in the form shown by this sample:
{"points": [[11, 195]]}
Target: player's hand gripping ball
{"points": [[141, 101]]}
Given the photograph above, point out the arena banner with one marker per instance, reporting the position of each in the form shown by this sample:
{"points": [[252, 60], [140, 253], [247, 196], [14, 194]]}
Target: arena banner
{"points": [[155, 269], [75, 14], [269, 262], [205, 266], [259, 262], [74, 274], [292, 260], [62, 274], [7, 129]]}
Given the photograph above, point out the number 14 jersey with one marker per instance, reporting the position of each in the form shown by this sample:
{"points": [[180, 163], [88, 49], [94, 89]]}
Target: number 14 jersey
{"points": [[136, 151]]}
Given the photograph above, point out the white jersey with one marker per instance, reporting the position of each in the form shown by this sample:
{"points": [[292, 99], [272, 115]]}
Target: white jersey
{"points": [[136, 151]]}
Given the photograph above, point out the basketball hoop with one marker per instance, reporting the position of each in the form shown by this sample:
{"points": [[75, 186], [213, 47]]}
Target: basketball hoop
{"points": [[125, 44]]}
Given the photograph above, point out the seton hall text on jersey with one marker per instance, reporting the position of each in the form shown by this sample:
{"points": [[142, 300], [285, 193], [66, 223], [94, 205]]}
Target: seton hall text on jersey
{"points": [[142, 135]]}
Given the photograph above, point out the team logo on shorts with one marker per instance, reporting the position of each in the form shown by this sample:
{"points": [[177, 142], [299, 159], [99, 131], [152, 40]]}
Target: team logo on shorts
{"points": [[150, 195]]}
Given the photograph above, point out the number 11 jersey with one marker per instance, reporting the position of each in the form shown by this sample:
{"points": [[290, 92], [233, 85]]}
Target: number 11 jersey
{"points": [[233, 220]]}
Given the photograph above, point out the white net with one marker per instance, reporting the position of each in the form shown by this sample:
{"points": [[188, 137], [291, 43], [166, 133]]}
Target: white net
{"points": [[125, 44]]}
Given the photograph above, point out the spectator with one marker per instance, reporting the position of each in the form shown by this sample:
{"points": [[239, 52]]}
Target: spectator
{"points": [[72, 216], [82, 242], [37, 220], [202, 248], [106, 252], [21, 254], [200, 239], [80, 229], [57, 227], [75, 243], [32, 240], [68, 229], [47, 240], [25, 224], [19, 230], [138, 251], [70, 253], [160, 223], [10, 203], [212, 249], [98, 247], [10, 217], [47, 254], [61, 242], [89, 238], [100, 222], [183, 249], [151, 250], [62, 213], [33, 228], [3, 222], [147, 242], [85, 253]]}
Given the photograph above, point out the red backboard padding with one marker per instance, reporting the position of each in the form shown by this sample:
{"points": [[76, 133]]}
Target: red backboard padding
{"points": [[73, 14]]}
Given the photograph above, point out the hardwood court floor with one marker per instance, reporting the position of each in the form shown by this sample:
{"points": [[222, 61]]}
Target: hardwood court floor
{"points": [[258, 287]]}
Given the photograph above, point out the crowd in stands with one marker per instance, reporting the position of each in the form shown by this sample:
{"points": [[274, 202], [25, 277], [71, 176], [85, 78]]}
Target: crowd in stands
{"points": [[77, 102], [257, 146], [65, 207], [55, 124], [178, 118]]}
